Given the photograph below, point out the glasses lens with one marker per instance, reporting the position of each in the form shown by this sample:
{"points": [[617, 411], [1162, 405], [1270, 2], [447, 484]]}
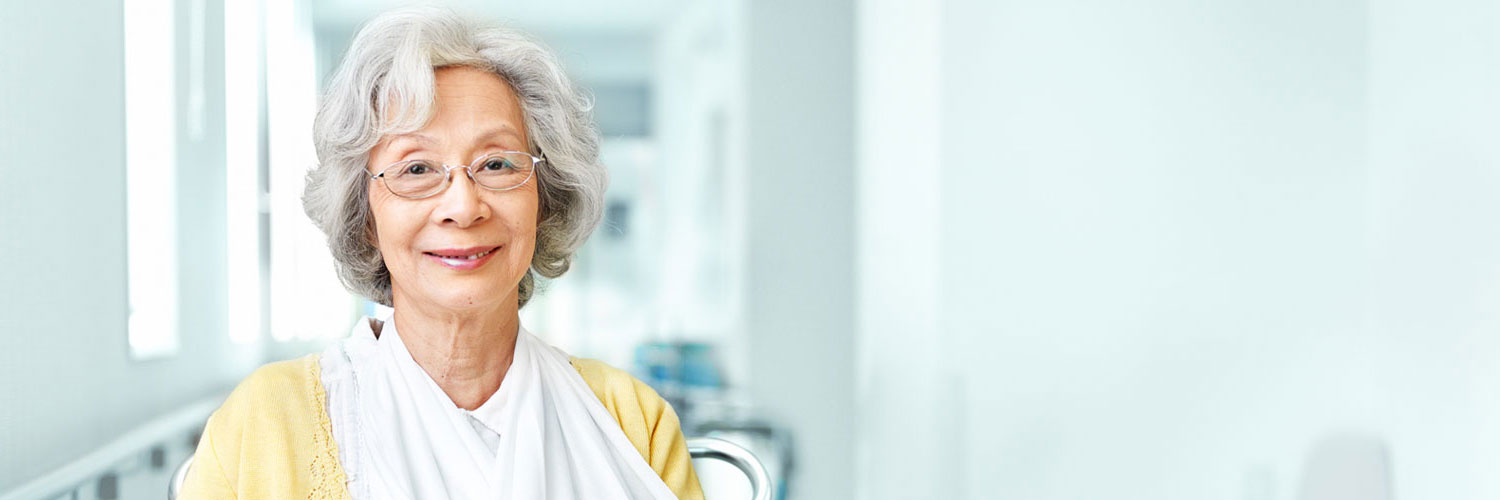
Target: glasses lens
{"points": [[414, 178], [502, 170]]}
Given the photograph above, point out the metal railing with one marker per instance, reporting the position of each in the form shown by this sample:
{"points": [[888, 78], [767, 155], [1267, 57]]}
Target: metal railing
{"points": [[102, 468]]}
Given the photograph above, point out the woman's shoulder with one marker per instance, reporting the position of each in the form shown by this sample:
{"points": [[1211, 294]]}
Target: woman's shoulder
{"points": [[618, 390], [282, 396], [283, 374], [647, 420], [260, 436], [278, 386]]}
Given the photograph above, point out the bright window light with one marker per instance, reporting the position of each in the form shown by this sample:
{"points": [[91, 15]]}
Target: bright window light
{"points": [[307, 300], [242, 163], [151, 177]]}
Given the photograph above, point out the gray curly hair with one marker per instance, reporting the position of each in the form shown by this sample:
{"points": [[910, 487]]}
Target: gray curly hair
{"points": [[388, 72]]}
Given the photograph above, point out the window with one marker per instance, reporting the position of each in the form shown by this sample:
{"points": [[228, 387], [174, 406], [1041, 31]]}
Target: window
{"points": [[307, 301], [244, 191], [151, 177]]}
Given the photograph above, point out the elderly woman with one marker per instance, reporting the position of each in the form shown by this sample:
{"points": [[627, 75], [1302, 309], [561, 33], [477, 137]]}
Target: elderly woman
{"points": [[455, 163]]}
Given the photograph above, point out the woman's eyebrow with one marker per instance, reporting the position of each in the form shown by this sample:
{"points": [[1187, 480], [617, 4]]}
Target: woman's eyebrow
{"points": [[492, 133], [415, 137]]}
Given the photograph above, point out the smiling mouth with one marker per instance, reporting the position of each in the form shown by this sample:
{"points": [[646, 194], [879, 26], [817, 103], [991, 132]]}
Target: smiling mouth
{"points": [[462, 261], [463, 257]]}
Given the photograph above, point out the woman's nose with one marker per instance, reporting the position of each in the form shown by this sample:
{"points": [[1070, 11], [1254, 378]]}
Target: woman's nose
{"points": [[460, 203]]}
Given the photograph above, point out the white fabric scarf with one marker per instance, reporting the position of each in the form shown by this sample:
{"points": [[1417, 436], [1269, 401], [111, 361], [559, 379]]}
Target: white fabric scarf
{"points": [[555, 438]]}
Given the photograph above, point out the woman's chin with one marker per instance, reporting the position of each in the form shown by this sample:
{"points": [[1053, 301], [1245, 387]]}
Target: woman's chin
{"points": [[459, 298]]}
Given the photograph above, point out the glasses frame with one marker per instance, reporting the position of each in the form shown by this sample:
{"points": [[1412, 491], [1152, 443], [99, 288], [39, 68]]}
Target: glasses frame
{"points": [[468, 170]]}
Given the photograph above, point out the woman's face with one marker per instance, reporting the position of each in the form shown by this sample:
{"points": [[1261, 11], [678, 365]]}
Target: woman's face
{"points": [[476, 113]]}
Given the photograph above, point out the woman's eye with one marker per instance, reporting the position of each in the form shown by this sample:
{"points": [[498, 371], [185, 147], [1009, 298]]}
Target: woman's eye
{"points": [[418, 169], [496, 164]]}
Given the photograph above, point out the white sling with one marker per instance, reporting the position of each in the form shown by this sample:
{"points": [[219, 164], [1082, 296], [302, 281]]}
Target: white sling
{"points": [[542, 435]]}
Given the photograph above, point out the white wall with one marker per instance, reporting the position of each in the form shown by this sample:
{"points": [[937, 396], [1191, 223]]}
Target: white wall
{"points": [[799, 192], [1153, 215], [1434, 192], [68, 385], [692, 196], [1180, 245], [906, 432]]}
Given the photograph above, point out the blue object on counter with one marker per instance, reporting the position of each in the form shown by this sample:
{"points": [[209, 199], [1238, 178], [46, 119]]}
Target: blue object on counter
{"points": [[657, 364], [697, 366]]}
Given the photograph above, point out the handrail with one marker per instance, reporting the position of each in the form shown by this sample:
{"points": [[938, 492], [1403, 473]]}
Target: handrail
{"points": [[101, 461]]}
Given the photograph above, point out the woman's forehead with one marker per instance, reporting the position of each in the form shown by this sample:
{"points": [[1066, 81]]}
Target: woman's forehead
{"points": [[469, 105], [469, 83], [498, 132]]}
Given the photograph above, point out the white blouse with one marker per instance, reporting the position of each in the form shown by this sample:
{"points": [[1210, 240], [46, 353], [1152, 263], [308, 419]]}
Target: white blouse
{"points": [[543, 434]]}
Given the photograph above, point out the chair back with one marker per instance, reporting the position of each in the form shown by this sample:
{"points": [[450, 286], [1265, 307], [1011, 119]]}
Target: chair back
{"points": [[718, 449], [178, 476]]}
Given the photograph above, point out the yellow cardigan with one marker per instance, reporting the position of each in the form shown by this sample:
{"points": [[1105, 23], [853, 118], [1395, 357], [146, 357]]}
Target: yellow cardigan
{"points": [[272, 438]]}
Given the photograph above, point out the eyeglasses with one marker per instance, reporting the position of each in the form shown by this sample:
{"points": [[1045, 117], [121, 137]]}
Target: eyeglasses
{"points": [[417, 179]]}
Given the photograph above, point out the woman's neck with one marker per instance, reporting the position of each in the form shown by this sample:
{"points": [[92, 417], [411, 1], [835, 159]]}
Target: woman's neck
{"points": [[466, 353]]}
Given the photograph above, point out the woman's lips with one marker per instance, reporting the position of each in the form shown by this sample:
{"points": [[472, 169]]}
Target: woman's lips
{"points": [[463, 259]]}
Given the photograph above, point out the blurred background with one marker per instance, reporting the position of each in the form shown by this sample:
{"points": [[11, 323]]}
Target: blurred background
{"points": [[899, 248]]}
